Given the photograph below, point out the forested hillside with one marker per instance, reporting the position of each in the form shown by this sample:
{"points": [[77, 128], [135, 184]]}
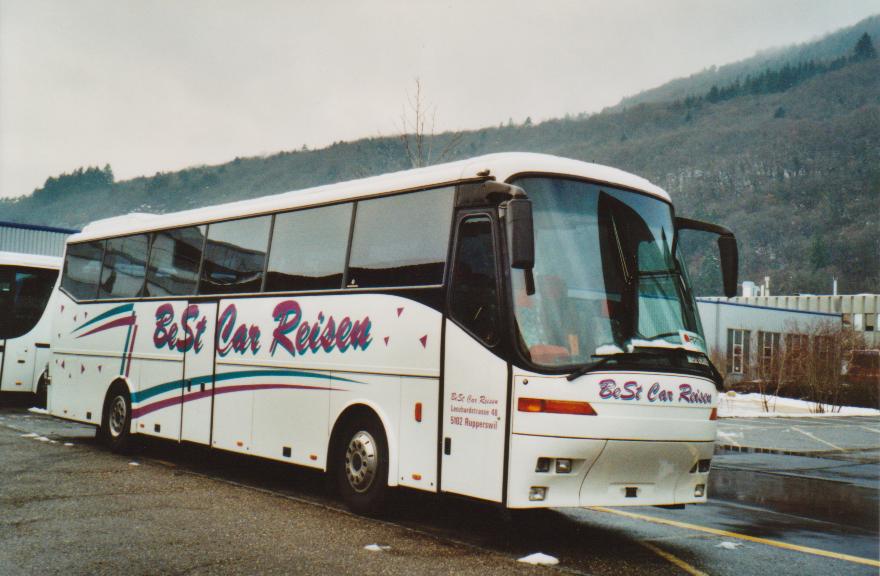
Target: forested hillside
{"points": [[831, 47], [790, 162]]}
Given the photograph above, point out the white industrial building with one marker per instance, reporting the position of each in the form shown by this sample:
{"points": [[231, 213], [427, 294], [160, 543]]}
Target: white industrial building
{"points": [[33, 239], [857, 311], [745, 335]]}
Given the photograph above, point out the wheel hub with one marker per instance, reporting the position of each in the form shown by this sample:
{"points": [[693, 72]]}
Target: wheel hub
{"points": [[361, 461], [117, 416]]}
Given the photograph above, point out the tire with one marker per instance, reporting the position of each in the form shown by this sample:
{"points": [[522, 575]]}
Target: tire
{"points": [[115, 430], [361, 465], [41, 393]]}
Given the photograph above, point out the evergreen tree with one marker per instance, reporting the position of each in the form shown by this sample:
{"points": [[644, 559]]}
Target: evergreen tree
{"points": [[864, 49], [818, 253]]}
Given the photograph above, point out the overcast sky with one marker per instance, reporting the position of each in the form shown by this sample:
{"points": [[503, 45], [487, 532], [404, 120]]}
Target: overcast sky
{"points": [[158, 85]]}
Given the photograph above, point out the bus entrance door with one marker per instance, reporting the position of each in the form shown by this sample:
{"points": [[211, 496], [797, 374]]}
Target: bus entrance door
{"points": [[475, 378], [198, 374]]}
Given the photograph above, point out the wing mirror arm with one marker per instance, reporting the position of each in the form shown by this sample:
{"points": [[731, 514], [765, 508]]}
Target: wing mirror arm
{"points": [[727, 248]]}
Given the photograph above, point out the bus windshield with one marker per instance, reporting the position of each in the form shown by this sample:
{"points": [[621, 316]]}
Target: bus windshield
{"points": [[24, 292], [606, 278]]}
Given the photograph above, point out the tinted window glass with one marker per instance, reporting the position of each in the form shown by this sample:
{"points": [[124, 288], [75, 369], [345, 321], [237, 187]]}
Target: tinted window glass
{"points": [[308, 249], [24, 293], [82, 265], [125, 262], [235, 255], [474, 296], [174, 261], [401, 240]]}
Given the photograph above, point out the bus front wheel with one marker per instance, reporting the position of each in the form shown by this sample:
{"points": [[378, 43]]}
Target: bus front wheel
{"points": [[361, 465], [115, 430]]}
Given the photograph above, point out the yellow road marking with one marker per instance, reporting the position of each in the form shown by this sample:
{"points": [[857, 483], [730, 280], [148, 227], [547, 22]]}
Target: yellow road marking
{"points": [[674, 559], [725, 533]]}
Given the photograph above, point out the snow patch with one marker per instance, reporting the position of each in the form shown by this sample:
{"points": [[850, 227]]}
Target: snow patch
{"points": [[607, 350], [377, 547], [42, 439], [539, 558], [68, 443], [36, 410], [134, 463], [733, 405], [729, 545], [729, 436], [30, 435]]}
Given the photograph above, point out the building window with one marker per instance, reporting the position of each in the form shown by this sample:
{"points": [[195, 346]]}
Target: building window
{"points": [[738, 344], [858, 322], [768, 348], [797, 345]]}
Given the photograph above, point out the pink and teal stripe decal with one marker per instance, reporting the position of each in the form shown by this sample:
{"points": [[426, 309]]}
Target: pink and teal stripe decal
{"points": [[112, 313], [138, 397], [115, 318]]}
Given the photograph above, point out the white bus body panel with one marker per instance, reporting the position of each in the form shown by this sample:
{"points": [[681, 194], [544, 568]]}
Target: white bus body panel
{"points": [[474, 417], [649, 432], [273, 390], [198, 375], [22, 362]]}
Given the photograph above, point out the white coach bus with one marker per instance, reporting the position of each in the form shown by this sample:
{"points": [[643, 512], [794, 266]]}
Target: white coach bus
{"points": [[26, 289], [514, 328]]}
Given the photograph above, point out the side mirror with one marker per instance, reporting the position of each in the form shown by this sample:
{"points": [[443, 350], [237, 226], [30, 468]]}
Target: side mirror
{"points": [[521, 233], [729, 263], [726, 246]]}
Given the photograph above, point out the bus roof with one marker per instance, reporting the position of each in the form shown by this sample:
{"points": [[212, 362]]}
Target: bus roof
{"points": [[502, 166], [30, 260]]}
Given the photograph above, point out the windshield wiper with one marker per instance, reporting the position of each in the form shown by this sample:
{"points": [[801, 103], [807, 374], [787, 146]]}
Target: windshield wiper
{"points": [[590, 367]]}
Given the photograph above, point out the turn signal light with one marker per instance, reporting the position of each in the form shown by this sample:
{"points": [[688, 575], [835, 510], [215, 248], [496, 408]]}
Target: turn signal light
{"points": [[714, 414], [555, 406]]}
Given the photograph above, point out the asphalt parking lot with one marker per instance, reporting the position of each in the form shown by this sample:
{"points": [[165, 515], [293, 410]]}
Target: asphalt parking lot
{"points": [[67, 506]]}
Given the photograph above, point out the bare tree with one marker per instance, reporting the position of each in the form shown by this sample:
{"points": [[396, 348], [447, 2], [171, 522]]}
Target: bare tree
{"points": [[807, 363], [417, 122]]}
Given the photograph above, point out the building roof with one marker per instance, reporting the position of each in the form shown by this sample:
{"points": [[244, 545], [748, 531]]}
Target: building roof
{"points": [[502, 166]]}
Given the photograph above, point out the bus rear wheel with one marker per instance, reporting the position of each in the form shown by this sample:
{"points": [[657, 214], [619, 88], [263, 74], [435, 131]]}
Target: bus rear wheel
{"points": [[42, 393], [361, 465], [115, 430]]}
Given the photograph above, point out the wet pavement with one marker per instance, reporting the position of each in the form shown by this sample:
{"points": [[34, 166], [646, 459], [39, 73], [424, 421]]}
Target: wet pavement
{"points": [[825, 468], [184, 509], [855, 435]]}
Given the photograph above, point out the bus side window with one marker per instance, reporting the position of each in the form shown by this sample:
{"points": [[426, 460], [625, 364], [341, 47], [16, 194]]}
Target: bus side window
{"points": [[174, 261], [125, 261], [401, 240], [235, 255], [474, 287], [308, 249], [82, 266]]}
